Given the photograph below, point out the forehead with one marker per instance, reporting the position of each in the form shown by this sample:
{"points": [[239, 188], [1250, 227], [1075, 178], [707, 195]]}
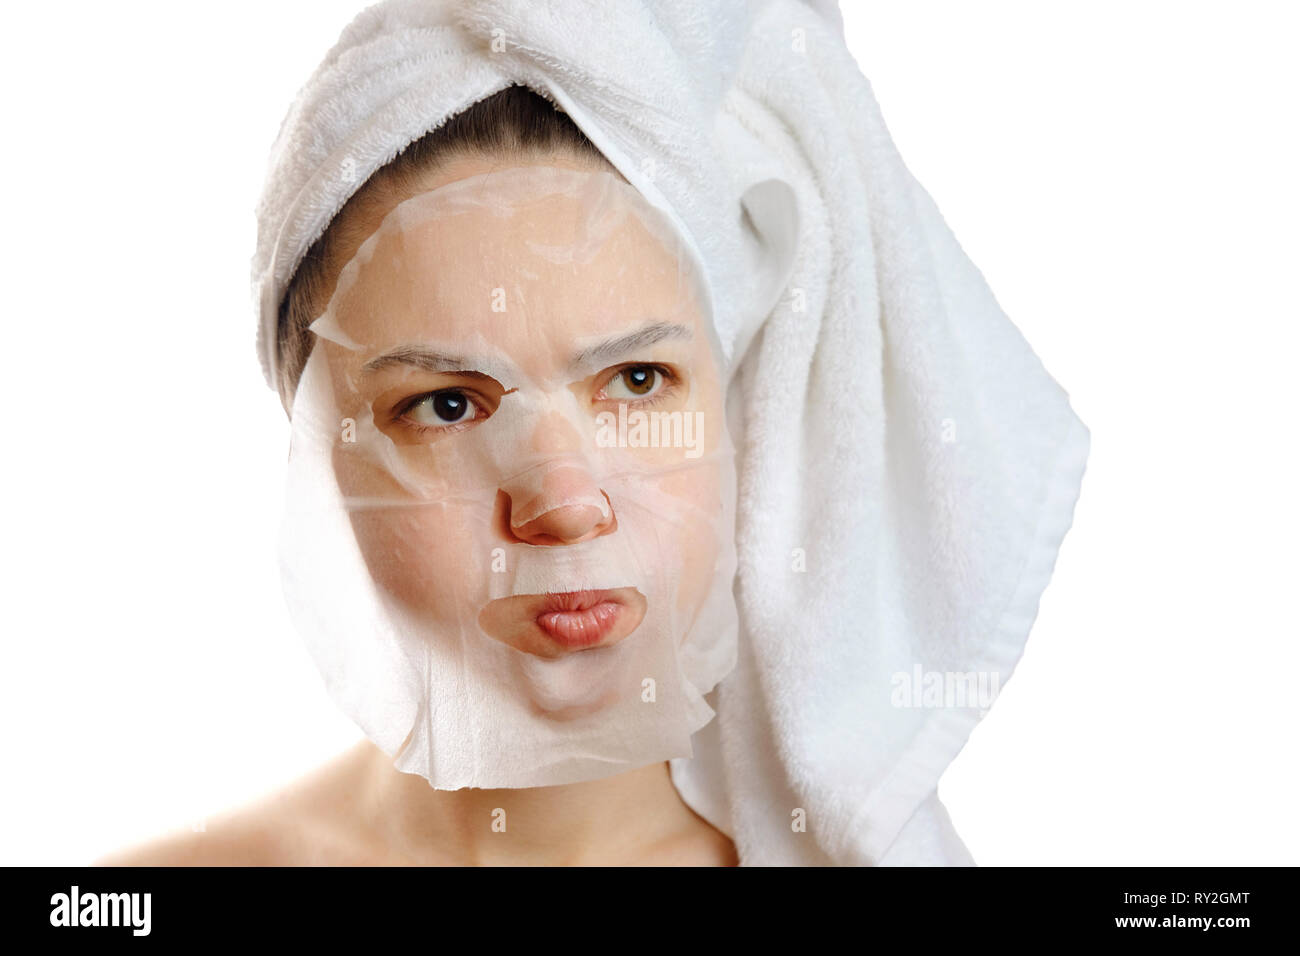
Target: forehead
{"points": [[527, 260]]}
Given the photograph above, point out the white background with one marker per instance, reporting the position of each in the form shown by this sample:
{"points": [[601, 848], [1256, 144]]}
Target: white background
{"points": [[1122, 173]]}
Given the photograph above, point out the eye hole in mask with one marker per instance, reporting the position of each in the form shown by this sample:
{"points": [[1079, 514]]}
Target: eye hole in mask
{"points": [[447, 410]]}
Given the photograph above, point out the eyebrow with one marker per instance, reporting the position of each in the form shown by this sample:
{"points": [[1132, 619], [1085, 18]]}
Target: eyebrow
{"points": [[421, 357], [431, 360], [611, 349]]}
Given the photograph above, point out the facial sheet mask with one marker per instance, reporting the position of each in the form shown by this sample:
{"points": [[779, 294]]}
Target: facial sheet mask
{"points": [[509, 528]]}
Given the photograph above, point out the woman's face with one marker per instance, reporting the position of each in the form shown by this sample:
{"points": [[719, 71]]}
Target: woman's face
{"points": [[504, 368]]}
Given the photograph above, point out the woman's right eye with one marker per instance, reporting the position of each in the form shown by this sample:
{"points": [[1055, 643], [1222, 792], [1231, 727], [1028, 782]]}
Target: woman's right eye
{"points": [[441, 409]]}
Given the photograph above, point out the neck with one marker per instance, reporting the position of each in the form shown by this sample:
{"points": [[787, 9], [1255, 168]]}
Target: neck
{"points": [[632, 817]]}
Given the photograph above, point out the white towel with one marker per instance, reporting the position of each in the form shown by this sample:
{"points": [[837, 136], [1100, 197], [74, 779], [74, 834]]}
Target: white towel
{"points": [[907, 467]]}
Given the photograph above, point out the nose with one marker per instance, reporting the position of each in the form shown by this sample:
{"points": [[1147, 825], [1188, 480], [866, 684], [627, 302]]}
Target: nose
{"points": [[558, 503]]}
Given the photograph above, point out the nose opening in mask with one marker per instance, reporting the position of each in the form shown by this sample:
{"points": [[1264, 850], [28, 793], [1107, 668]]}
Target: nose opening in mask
{"points": [[558, 502]]}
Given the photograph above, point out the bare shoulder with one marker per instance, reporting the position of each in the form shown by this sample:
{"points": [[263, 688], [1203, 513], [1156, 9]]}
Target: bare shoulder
{"points": [[247, 837], [302, 824]]}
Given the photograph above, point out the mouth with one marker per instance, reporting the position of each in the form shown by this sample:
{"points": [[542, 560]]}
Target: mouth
{"points": [[562, 622], [579, 619]]}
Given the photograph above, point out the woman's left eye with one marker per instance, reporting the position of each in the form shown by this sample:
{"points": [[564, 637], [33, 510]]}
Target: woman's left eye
{"points": [[635, 382]]}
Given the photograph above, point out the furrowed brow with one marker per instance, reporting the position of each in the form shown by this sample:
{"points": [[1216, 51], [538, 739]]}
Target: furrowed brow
{"points": [[417, 356]]}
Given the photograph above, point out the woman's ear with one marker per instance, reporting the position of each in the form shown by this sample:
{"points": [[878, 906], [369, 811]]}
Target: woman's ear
{"points": [[771, 219]]}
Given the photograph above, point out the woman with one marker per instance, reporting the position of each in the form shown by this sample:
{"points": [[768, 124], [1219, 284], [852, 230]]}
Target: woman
{"points": [[516, 358]]}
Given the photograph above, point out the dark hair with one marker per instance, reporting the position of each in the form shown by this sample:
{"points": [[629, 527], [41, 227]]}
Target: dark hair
{"points": [[516, 122]]}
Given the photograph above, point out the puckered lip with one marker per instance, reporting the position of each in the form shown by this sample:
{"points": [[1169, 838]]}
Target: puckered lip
{"points": [[576, 600], [579, 619], [562, 622]]}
